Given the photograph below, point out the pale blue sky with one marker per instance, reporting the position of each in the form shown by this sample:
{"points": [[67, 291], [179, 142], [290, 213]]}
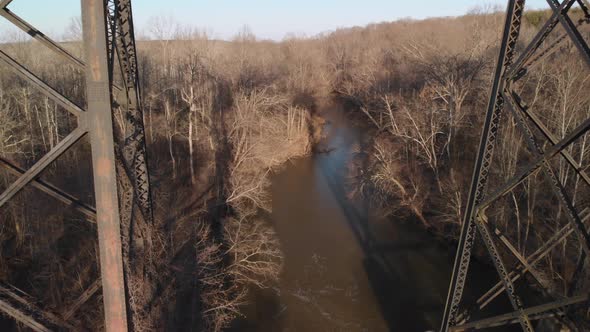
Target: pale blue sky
{"points": [[269, 19]]}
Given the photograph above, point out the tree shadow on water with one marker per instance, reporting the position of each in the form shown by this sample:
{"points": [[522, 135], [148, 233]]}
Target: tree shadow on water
{"points": [[389, 266]]}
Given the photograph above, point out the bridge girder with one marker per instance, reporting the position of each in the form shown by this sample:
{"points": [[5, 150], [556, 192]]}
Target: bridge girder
{"points": [[503, 96], [121, 177]]}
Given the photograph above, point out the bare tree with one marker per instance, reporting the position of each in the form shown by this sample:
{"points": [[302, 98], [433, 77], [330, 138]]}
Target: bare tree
{"points": [[73, 31]]}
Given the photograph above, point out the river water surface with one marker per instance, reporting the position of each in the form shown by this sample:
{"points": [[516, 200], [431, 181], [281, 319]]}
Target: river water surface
{"points": [[346, 270]]}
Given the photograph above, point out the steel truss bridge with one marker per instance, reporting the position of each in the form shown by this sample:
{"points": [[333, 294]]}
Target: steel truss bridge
{"points": [[504, 97], [121, 180], [122, 188]]}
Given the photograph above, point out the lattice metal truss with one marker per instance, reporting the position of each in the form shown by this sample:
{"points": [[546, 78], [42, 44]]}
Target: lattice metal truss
{"points": [[510, 70], [121, 179]]}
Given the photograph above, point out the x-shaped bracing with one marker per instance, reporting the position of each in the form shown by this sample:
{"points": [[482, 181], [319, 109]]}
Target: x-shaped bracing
{"points": [[503, 96]]}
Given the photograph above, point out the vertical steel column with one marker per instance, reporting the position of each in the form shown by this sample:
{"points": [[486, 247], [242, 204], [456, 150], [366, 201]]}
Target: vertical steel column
{"points": [[103, 159], [506, 74], [481, 169]]}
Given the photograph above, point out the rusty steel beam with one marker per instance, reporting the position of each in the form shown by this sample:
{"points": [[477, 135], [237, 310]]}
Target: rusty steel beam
{"points": [[533, 259], [133, 148], [53, 191], [556, 185], [82, 299], [538, 40], [103, 159], [483, 163], [486, 234], [39, 36], [545, 53], [40, 85], [571, 29], [28, 314], [42, 38], [511, 317], [41, 165], [506, 74], [527, 264], [532, 117], [537, 163], [97, 120], [25, 317], [530, 63], [503, 321]]}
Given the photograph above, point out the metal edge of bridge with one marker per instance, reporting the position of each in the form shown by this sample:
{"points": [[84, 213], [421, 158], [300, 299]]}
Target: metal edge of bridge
{"points": [[108, 34], [100, 123], [503, 96]]}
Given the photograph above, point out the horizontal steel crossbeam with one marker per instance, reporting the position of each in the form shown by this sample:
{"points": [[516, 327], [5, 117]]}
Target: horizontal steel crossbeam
{"points": [[506, 74], [53, 191], [38, 35], [41, 85], [536, 164], [511, 317], [82, 299], [532, 117], [98, 122], [41, 165], [21, 309]]}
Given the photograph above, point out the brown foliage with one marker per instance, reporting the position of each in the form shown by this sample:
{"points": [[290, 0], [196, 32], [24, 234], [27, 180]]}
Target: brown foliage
{"points": [[227, 114]]}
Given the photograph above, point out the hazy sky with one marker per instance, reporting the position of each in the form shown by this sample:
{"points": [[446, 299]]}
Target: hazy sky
{"points": [[267, 18]]}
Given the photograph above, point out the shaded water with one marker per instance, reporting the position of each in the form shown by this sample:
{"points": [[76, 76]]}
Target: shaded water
{"points": [[344, 269]]}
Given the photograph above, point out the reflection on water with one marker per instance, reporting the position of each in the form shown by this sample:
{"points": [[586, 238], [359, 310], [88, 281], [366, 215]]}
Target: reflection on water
{"points": [[344, 270]]}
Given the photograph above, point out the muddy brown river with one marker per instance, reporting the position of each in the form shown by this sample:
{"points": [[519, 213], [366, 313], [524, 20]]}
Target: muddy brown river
{"points": [[346, 270]]}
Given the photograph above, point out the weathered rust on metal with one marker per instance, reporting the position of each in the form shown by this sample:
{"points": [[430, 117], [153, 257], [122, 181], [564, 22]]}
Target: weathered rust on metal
{"points": [[533, 259], [483, 163], [83, 298], [108, 152], [136, 209], [41, 165], [40, 85], [132, 143], [38, 35], [543, 146], [15, 304], [103, 157], [53, 191], [501, 320]]}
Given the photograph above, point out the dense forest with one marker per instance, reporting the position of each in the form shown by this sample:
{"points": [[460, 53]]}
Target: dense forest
{"points": [[222, 116]]}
